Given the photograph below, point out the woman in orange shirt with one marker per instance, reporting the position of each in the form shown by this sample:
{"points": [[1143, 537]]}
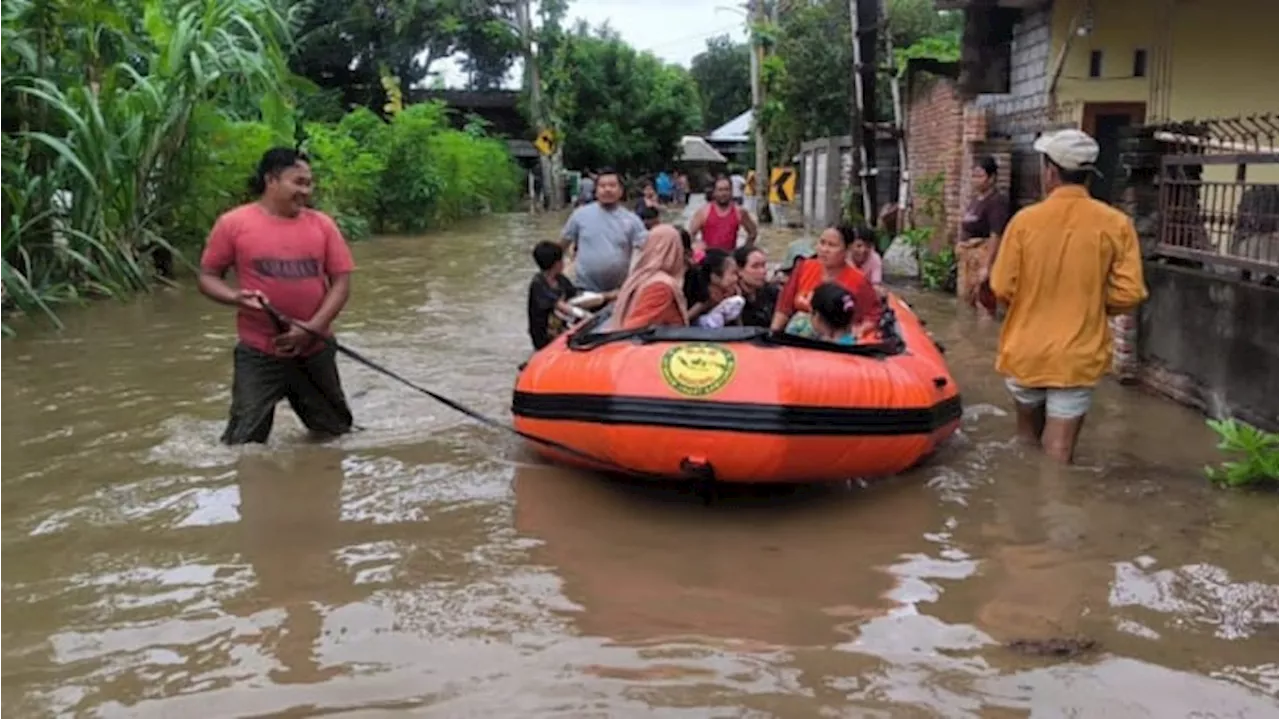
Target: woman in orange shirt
{"points": [[829, 264], [654, 291]]}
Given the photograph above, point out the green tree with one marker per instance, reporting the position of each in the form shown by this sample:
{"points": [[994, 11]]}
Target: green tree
{"points": [[344, 45], [723, 75], [814, 87], [617, 106]]}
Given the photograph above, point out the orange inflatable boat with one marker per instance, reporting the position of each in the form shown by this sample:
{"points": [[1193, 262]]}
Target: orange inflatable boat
{"points": [[740, 404]]}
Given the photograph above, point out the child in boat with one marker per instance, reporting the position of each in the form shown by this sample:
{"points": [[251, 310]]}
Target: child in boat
{"points": [[863, 255], [549, 293], [832, 318]]}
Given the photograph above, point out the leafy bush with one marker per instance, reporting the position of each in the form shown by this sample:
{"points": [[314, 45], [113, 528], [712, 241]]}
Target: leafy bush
{"points": [[937, 269], [1258, 452], [348, 171], [219, 161], [436, 175]]}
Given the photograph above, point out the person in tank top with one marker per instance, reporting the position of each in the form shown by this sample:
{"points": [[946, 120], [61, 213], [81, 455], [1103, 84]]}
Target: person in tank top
{"points": [[717, 223]]}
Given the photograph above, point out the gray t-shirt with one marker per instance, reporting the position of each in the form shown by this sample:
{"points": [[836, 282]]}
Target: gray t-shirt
{"points": [[587, 189], [604, 240]]}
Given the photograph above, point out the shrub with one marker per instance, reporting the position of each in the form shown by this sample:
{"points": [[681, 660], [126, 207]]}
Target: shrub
{"points": [[348, 174], [1258, 456]]}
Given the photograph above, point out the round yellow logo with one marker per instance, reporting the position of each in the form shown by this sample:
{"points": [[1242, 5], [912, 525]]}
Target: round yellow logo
{"points": [[698, 369]]}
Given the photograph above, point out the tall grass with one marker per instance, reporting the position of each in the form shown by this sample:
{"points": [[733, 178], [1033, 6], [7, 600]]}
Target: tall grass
{"points": [[93, 171]]}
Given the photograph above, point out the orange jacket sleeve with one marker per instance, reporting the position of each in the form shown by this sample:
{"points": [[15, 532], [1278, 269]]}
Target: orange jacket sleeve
{"points": [[1126, 288]]}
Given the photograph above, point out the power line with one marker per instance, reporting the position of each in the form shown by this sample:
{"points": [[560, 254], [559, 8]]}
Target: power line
{"points": [[698, 36]]}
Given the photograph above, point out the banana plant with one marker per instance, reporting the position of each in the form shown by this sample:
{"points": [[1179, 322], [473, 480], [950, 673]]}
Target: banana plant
{"points": [[1258, 453], [114, 144]]}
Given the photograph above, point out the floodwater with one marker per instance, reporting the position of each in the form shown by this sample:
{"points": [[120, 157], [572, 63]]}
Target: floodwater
{"points": [[429, 566]]}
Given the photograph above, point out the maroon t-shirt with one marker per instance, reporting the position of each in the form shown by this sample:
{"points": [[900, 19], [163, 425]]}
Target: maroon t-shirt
{"points": [[288, 259], [985, 216]]}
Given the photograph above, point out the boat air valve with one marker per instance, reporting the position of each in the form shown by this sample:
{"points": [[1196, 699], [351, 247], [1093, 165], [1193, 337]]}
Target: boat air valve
{"points": [[703, 475]]}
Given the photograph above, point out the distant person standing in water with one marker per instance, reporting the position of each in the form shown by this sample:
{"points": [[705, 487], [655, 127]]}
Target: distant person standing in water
{"points": [[718, 221], [739, 184], [293, 258], [586, 189], [665, 187], [602, 236], [648, 199], [1064, 265], [980, 229]]}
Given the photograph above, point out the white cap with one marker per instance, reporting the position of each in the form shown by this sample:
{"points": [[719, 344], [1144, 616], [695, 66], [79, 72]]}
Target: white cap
{"points": [[1068, 149]]}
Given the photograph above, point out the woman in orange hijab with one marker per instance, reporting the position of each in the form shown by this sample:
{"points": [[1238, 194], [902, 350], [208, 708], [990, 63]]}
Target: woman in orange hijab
{"points": [[654, 291]]}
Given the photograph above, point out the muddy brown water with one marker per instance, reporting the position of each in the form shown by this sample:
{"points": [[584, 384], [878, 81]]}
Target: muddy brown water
{"points": [[428, 566]]}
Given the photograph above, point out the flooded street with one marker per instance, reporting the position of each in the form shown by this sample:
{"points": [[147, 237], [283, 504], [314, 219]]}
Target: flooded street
{"points": [[430, 566]]}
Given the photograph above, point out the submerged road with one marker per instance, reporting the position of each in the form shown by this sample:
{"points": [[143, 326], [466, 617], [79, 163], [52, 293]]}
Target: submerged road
{"points": [[429, 566]]}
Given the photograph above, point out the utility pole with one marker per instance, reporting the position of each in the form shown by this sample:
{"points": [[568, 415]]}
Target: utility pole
{"points": [[899, 128], [550, 187], [864, 20], [756, 8]]}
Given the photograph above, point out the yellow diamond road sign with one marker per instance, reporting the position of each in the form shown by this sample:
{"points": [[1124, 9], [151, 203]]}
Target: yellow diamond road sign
{"points": [[546, 142], [782, 185]]}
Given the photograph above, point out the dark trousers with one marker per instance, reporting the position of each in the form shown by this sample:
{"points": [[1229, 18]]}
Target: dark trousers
{"points": [[311, 384]]}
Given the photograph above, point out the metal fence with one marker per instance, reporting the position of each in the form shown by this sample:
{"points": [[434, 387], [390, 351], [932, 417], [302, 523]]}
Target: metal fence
{"points": [[1219, 199]]}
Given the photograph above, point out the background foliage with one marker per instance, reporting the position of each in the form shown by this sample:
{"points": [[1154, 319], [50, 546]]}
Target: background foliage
{"points": [[808, 76], [613, 105], [129, 127], [723, 75]]}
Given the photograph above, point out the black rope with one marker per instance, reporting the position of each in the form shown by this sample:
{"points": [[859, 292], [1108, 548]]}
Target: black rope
{"points": [[283, 321]]}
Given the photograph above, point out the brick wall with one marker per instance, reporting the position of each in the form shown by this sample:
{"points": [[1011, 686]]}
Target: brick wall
{"points": [[935, 144], [946, 135]]}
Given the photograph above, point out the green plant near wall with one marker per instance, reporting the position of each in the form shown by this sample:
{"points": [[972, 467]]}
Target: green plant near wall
{"points": [[1257, 452], [929, 202], [936, 268], [851, 206]]}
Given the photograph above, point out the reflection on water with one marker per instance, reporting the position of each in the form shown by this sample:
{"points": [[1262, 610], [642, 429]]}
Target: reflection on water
{"points": [[428, 565], [772, 567]]}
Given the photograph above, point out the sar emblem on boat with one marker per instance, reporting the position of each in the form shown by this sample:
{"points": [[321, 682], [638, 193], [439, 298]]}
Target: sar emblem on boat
{"points": [[697, 370]]}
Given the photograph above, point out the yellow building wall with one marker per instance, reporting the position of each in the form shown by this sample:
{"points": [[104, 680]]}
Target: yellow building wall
{"points": [[1224, 54], [1223, 60], [1119, 28]]}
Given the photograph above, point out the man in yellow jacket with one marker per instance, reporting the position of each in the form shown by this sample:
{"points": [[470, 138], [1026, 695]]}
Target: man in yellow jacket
{"points": [[1065, 264]]}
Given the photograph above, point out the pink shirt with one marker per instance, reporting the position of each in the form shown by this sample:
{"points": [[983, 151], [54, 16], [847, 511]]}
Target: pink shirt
{"points": [[872, 269], [288, 259]]}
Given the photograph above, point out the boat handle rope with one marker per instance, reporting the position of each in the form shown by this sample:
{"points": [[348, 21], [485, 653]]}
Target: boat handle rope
{"points": [[282, 320]]}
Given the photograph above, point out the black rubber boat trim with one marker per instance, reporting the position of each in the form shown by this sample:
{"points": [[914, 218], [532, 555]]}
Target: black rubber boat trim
{"points": [[736, 416]]}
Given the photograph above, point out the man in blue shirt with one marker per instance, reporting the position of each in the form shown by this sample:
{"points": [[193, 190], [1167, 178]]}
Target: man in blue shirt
{"points": [[603, 236]]}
